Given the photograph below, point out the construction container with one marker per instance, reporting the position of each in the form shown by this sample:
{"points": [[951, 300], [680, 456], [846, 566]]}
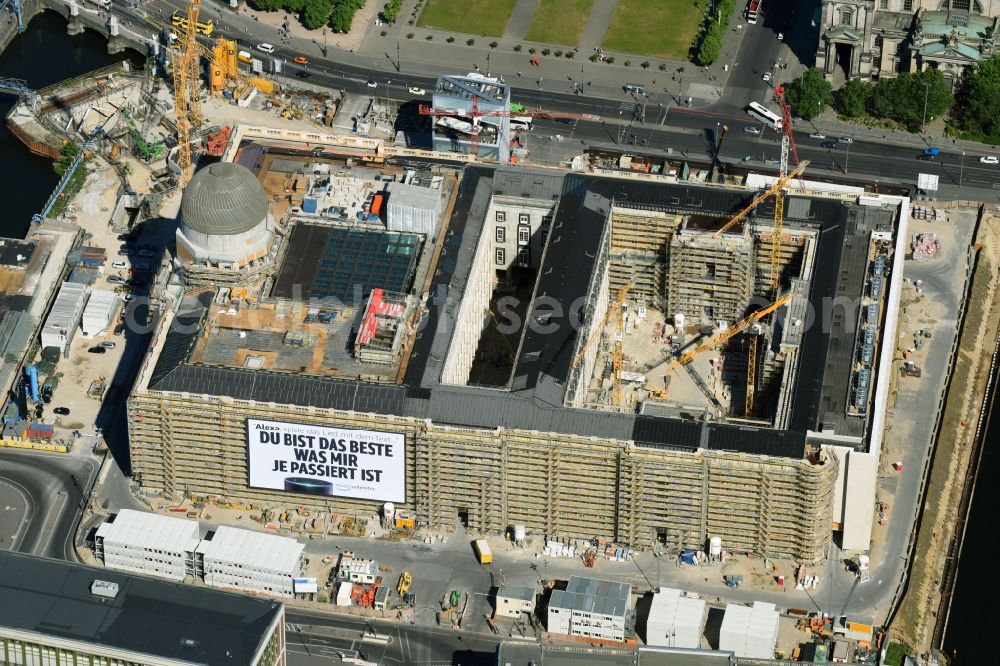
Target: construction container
{"points": [[404, 521], [483, 552], [40, 431], [344, 592], [376, 208]]}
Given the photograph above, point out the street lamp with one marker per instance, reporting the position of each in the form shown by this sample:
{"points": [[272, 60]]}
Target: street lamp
{"points": [[847, 161], [387, 90], [961, 170], [927, 88]]}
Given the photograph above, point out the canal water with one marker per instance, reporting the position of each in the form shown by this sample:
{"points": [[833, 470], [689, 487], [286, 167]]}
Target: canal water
{"points": [[44, 54], [971, 632]]}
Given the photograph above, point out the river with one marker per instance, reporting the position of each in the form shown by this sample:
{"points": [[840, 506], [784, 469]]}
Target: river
{"points": [[970, 627], [44, 54]]}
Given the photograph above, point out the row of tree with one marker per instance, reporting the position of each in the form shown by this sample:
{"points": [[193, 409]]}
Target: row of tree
{"points": [[338, 14], [708, 42], [911, 99]]}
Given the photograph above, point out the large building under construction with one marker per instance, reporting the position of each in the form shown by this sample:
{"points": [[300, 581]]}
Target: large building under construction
{"points": [[514, 357]]}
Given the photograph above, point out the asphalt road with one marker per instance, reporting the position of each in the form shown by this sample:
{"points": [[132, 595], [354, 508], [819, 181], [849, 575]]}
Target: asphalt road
{"points": [[54, 484], [314, 638]]}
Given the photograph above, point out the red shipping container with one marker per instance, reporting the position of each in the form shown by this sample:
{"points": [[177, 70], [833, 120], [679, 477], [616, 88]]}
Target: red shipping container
{"points": [[377, 205]]}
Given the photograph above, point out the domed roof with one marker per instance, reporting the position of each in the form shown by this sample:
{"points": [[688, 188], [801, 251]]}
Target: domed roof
{"points": [[223, 199]]}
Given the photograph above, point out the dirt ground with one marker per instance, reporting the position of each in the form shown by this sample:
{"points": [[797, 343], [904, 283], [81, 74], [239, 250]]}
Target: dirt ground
{"points": [[952, 458]]}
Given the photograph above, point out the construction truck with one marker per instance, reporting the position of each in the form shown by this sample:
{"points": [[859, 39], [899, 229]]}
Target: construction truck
{"points": [[403, 586]]}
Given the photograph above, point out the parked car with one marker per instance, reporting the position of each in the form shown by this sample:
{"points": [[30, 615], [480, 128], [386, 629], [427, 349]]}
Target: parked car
{"points": [[845, 139], [417, 91], [143, 265], [126, 252], [302, 74], [781, 36], [750, 129], [371, 84], [767, 77], [301, 60], [61, 411], [829, 145], [97, 350], [819, 136], [114, 279], [120, 266], [147, 253], [989, 159], [107, 345]]}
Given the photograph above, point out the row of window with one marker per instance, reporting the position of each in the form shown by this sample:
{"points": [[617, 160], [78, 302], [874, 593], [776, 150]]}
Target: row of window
{"points": [[523, 257], [32, 654], [908, 4], [522, 218], [523, 235]]}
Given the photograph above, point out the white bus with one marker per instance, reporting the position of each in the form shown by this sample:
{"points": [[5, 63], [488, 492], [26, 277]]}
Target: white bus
{"points": [[764, 115]]}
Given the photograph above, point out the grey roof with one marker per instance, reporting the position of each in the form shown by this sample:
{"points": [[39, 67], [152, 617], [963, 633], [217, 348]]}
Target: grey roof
{"points": [[148, 616], [523, 593], [667, 656], [592, 595], [223, 199]]}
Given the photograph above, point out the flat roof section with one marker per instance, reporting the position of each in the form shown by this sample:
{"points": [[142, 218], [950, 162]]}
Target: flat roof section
{"points": [[351, 263], [152, 531], [147, 616], [253, 550]]}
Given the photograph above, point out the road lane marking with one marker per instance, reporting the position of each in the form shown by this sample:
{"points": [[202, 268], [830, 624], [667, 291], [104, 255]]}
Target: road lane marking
{"points": [[52, 521]]}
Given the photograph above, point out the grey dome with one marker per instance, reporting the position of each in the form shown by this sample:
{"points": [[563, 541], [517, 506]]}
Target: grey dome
{"points": [[223, 199]]}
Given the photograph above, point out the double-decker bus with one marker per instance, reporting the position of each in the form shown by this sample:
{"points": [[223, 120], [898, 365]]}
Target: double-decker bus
{"points": [[764, 115], [753, 11], [179, 20]]}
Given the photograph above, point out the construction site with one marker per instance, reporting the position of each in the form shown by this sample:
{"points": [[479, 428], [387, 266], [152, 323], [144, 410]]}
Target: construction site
{"points": [[540, 354], [644, 361]]}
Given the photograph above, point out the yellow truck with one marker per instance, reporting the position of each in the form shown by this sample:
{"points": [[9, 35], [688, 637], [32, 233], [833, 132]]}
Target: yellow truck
{"points": [[483, 552]]}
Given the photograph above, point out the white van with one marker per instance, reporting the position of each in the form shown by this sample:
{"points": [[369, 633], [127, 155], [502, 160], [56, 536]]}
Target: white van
{"points": [[266, 48]]}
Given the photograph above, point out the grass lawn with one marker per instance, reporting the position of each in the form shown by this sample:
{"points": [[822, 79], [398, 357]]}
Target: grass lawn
{"points": [[559, 21], [659, 28], [477, 18]]}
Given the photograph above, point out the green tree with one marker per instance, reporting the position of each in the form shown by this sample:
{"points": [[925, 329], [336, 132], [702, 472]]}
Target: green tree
{"points": [[710, 48], [978, 103], [391, 10], [267, 5], [315, 13], [903, 98], [343, 14], [809, 94], [852, 98]]}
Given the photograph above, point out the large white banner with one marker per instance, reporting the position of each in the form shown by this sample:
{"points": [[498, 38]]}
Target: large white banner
{"points": [[332, 462]]}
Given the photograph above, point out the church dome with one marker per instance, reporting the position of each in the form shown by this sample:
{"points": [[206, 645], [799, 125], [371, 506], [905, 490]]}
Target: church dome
{"points": [[223, 199]]}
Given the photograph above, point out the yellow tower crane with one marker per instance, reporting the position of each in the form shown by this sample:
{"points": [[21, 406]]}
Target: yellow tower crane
{"points": [[187, 90], [617, 348], [776, 187], [751, 377], [722, 337]]}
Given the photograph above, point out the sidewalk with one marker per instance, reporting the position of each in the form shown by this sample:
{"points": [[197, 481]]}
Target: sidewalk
{"points": [[829, 124]]}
